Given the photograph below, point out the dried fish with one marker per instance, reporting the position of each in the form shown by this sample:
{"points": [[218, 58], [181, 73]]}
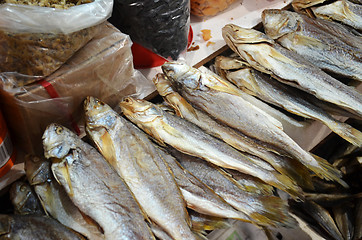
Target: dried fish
{"points": [[137, 161], [266, 210], [291, 99], [263, 54], [55, 200], [93, 185], [188, 138], [34, 227], [224, 101], [24, 199], [238, 140], [308, 38], [199, 196]]}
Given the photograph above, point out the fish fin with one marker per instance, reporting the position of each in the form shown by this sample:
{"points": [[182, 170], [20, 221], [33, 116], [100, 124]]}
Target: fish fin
{"points": [[175, 103], [280, 57], [65, 173], [224, 86], [275, 213], [286, 184], [299, 173], [327, 171], [309, 41], [347, 132], [172, 131], [107, 148]]}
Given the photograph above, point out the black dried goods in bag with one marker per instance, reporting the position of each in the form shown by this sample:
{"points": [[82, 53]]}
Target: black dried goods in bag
{"points": [[159, 25]]}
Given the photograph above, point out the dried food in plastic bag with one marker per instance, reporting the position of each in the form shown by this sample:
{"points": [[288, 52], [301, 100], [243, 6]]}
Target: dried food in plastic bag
{"points": [[161, 26], [36, 41], [209, 7], [103, 68]]}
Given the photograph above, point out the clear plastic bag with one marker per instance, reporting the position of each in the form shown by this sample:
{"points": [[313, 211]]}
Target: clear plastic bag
{"points": [[35, 41], [103, 68], [161, 26]]}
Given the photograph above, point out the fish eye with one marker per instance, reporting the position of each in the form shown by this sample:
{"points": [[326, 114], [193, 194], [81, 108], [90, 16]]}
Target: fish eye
{"points": [[23, 188], [127, 100], [59, 130]]}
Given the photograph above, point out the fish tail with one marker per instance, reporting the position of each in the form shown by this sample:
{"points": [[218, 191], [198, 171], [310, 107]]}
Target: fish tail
{"points": [[347, 132], [275, 213], [327, 171], [298, 173], [286, 184]]}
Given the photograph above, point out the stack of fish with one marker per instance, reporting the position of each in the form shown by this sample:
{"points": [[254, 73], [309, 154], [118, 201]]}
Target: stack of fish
{"points": [[214, 151], [331, 211]]}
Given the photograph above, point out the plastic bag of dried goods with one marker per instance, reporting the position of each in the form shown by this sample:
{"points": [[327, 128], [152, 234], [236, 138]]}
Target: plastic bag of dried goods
{"points": [[103, 68], [161, 26], [36, 37], [204, 8]]}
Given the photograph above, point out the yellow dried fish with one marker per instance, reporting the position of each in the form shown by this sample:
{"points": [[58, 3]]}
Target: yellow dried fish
{"points": [[188, 138], [137, 161], [93, 185], [225, 102]]}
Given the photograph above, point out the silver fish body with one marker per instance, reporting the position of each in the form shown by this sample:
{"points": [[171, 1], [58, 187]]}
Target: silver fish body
{"points": [[308, 38], [136, 160], [56, 201], [223, 102], [188, 138], [263, 54], [29, 227], [199, 196], [93, 186], [262, 209], [238, 140], [290, 99]]}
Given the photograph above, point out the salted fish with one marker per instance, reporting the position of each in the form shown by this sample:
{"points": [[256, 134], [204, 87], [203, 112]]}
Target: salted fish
{"points": [[137, 161], [263, 54], [199, 196], [268, 210], [55, 199], [320, 215], [307, 37], [188, 138], [93, 185], [290, 99], [343, 11], [34, 227], [223, 101], [238, 140], [24, 199]]}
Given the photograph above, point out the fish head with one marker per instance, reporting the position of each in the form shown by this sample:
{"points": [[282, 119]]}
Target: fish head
{"points": [[182, 76], [163, 85], [98, 114], [37, 169], [278, 23], [20, 191], [139, 111], [244, 79], [58, 141]]}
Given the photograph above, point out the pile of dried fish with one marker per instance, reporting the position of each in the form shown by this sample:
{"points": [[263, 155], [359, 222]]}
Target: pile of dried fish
{"points": [[331, 211], [348, 12]]}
